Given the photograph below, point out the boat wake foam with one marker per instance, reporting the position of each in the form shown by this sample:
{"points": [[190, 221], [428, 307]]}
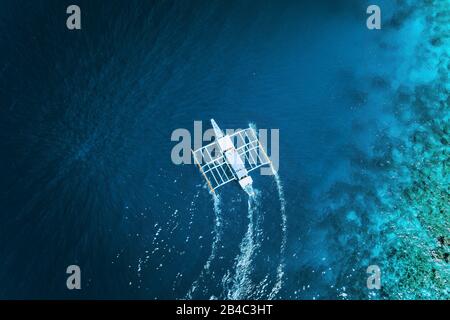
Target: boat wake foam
{"points": [[218, 232], [280, 268], [240, 283]]}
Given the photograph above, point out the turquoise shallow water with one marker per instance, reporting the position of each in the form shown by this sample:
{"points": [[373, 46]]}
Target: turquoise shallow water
{"points": [[398, 197], [86, 119]]}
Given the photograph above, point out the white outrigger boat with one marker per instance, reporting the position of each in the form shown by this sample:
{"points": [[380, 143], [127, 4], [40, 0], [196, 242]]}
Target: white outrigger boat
{"points": [[223, 161]]}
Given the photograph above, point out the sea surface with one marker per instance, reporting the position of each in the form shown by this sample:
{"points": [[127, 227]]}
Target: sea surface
{"points": [[87, 179]]}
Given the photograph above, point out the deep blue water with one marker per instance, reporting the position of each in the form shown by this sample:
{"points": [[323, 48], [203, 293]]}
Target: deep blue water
{"points": [[87, 116]]}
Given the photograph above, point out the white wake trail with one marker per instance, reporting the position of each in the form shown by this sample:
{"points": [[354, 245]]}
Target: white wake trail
{"points": [[218, 232], [280, 268], [241, 285]]}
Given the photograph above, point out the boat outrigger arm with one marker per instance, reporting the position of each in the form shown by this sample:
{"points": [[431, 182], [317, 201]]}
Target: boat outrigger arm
{"points": [[223, 160]]}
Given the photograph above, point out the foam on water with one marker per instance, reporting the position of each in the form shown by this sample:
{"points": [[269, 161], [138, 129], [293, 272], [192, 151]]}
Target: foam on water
{"points": [[214, 246], [280, 268], [241, 285]]}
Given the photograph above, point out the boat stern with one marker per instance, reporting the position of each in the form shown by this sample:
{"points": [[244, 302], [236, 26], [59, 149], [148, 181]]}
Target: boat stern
{"points": [[245, 182]]}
